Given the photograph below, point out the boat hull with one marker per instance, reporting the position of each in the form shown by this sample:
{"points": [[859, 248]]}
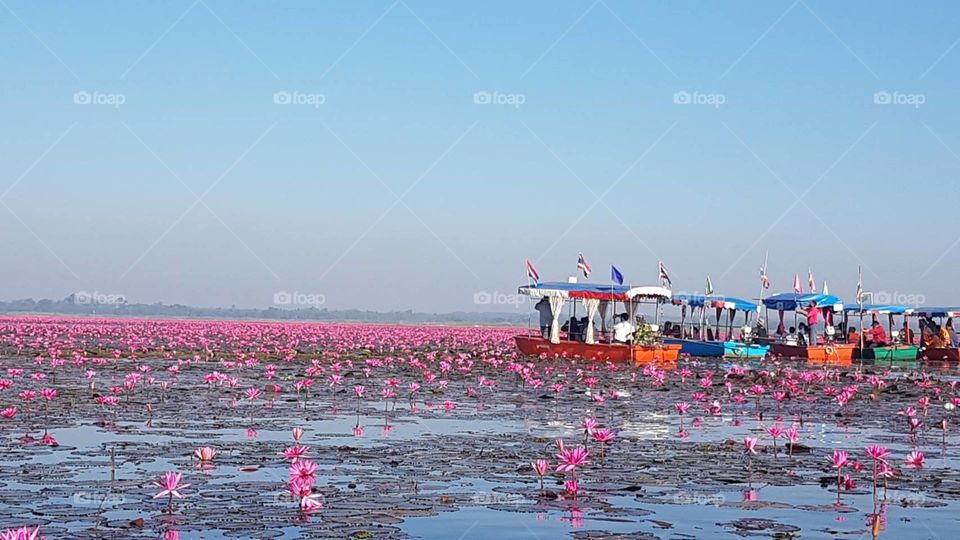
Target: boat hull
{"points": [[892, 352], [717, 349], [841, 353], [607, 352], [952, 354]]}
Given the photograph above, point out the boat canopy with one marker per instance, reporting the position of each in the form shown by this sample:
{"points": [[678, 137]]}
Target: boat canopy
{"points": [[619, 293], [792, 301], [937, 311], [880, 309], [717, 301]]}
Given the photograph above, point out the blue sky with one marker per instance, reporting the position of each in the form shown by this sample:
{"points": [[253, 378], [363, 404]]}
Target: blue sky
{"points": [[400, 191]]}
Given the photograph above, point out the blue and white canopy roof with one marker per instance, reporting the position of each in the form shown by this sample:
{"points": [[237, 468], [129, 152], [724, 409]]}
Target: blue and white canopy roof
{"points": [[618, 293], [880, 309], [937, 311], [726, 302], [792, 301]]}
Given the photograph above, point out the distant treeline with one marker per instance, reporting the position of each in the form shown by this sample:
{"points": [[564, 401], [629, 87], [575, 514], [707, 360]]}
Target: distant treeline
{"points": [[74, 306]]}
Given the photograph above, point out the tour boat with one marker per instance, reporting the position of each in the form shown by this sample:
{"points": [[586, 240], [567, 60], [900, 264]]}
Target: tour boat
{"points": [[895, 350], [697, 345], [938, 353], [596, 299], [830, 351]]}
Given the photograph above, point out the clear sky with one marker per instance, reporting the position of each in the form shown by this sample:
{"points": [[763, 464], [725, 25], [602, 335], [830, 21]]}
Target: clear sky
{"points": [[410, 154]]}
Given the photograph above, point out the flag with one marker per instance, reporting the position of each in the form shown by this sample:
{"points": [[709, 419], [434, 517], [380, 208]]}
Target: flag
{"points": [[615, 275], [859, 285], [811, 282], [797, 287], [664, 276], [764, 280], [709, 286], [583, 266], [532, 272], [825, 289]]}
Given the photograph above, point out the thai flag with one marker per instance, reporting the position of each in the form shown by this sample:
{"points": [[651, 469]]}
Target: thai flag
{"points": [[797, 286], [764, 280], [811, 282], [664, 276], [583, 266], [532, 272]]}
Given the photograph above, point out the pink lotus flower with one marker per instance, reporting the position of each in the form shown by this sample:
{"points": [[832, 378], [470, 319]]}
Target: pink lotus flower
{"points": [[9, 412], [303, 469], [541, 466], [572, 487], [205, 453], [297, 434], [359, 390], [604, 435], [750, 445], [48, 393], [877, 453], [170, 485], [23, 533], [681, 407], [915, 459], [589, 424], [570, 459], [295, 452], [839, 459]]}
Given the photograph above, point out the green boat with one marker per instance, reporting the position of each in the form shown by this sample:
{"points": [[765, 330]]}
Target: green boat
{"points": [[891, 353]]}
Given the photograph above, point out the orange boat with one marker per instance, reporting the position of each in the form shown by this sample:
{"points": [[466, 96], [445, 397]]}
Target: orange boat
{"points": [[837, 353], [596, 299]]}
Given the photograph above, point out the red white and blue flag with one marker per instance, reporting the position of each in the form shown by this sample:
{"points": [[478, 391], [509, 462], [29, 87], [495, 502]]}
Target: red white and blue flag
{"points": [[532, 272], [583, 266], [797, 287], [664, 276]]}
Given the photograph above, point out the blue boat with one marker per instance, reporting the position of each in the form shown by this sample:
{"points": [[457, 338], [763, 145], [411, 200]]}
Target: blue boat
{"points": [[716, 349]]}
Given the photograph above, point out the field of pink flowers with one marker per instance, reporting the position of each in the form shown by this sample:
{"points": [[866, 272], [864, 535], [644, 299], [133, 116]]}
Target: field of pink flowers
{"points": [[211, 429]]}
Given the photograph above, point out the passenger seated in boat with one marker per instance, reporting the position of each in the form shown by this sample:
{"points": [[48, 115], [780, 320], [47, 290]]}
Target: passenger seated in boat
{"points": [[623, 329], [947, 334], [802, 332], [572, 328], [906, 334], [709, 334], [791, 337], [853, 336], [760, 331], [583, 329], [876, 336]]}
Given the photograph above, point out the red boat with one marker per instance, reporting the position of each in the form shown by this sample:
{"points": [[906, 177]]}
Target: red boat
{"points": [[938, 353], [611, 352], [596, 299]]}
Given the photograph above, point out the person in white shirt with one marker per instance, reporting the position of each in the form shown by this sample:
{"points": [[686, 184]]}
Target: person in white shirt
{"points": [[623, 330]]}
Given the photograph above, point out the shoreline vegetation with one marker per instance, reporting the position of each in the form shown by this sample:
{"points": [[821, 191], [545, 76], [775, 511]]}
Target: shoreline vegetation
{"points": [[69, 306]]}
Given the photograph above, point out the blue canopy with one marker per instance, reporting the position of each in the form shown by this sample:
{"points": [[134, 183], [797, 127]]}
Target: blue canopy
{"points": [[879, 309], [729, 302], [937, 311], [792, 301]]}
